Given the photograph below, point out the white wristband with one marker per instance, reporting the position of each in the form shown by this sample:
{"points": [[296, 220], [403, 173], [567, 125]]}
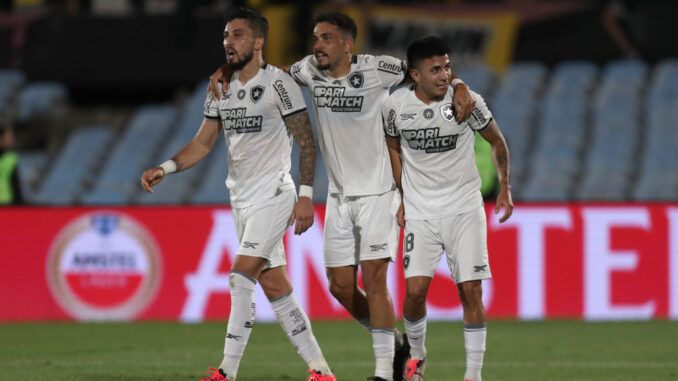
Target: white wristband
{"points": [[455, 82], [306, 191], [169, 166]]}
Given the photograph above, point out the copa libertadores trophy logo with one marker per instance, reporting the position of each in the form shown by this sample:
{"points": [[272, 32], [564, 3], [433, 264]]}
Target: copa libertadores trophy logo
{"points": [[104, 266]]}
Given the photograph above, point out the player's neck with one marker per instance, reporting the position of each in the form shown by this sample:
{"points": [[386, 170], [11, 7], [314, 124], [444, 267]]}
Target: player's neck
{"points": [[250, 70], [343, 68], [424, 97]]}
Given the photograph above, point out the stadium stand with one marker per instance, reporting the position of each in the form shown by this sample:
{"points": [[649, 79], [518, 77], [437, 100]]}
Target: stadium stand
{"points": [[576, 132]]}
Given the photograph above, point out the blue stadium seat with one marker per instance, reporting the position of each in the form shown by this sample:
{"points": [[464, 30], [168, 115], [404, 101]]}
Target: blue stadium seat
{"points": [[73, 165], [41, 98]]}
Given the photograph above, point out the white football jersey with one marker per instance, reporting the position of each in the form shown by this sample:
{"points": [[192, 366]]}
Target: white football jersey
{"points": [[348, 111], [439, 176], [259, 144]]}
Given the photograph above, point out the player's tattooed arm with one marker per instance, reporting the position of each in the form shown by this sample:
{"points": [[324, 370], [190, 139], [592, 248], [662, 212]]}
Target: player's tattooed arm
{"points": [[500, 154], [300, 127]]}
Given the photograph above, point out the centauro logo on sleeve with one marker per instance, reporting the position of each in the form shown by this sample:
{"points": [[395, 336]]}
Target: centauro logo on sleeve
{"points": [[236, 119], [429, 140], [334, 98]]}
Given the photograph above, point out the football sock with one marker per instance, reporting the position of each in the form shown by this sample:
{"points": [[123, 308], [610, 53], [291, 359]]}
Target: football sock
{"points": [[474, 339], [240, 322], [366, 324], [383, 345], [295, 323], [416, 335]]}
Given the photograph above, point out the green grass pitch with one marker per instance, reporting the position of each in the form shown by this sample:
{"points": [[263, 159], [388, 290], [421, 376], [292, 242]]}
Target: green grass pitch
{"points": [[546, 350]]}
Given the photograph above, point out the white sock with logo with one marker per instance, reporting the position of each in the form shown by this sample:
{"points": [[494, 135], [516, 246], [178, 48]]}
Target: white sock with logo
{"points": [[297, 326], [416, 335], [383, 345], [240, 322], [474, 339]]}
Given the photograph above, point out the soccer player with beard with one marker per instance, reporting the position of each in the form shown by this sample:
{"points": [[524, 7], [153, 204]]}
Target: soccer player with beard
{"points": [[433, 163], [261, 109], [360, 225]]}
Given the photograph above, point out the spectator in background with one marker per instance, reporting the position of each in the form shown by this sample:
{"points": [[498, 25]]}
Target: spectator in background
{"points": [[10, 189]]}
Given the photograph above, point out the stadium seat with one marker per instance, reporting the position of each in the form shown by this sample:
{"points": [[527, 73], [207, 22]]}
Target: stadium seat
{"points": [[74, 165], [42, 98]]}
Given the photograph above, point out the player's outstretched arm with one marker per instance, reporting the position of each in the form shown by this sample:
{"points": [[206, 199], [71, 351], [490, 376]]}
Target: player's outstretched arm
{"points": [[394, 152], [500, 155], [191, 154], [300, 127]]}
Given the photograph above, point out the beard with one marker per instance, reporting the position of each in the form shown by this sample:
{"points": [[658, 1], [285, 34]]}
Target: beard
{"points": [[323, 67], [237, 65]]}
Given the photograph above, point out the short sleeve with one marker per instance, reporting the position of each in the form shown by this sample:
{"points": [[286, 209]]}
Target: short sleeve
{"points": [[388, 116], [288, 95], [391, 70], [481, 117], [300, 73], [211, 108]]}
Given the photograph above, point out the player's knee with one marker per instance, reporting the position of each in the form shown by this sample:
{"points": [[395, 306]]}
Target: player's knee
{"points": [[273, 289], [341, 290], [416, 294], [471, 293]]}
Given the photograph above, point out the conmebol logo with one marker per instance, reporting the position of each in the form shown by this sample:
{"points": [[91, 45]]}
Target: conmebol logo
{"points": [[103, 266]]}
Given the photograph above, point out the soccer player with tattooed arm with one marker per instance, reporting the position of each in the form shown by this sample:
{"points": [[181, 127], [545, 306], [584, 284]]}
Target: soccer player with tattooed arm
{"points": [[433, 164], [258, 111], [360, 227]]}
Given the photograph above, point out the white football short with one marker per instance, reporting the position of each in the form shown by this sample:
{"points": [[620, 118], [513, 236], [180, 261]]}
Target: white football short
{"points": [[360, 228], [463, 237], [261, 228]]}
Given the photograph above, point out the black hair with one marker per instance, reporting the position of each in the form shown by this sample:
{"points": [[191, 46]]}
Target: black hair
{"points": [[341, 20], [425, 47], [255, 20]]}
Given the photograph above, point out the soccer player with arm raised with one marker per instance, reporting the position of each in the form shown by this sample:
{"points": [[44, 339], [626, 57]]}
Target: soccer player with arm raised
{"points": [[433, 163], [259, 113]]}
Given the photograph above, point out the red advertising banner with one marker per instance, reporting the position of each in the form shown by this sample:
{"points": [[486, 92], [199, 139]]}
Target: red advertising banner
{"points": [[588, 261]]}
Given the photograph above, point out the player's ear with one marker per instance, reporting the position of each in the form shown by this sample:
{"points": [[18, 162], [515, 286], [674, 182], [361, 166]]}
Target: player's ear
{"points": [[348, 45], [259, 43], [415, 75]]}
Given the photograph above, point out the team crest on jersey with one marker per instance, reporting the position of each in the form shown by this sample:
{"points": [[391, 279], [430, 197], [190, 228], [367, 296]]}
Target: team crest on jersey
{"points": [[241, 94], [428, 113], [256, 93], [356, 80], [447, 112]]}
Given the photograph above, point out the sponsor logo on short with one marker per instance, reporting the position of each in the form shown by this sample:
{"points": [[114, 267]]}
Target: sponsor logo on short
{"points": [[379, 247], [256, 93], [478, 269], [429, 140], [250, 245], [104, 266]]}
